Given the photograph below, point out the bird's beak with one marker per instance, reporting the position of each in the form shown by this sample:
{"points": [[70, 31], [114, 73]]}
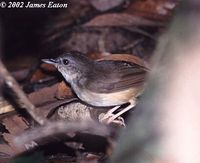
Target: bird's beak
{"points": [[50, 61]]}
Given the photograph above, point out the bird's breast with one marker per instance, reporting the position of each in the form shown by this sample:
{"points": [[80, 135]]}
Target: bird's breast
{"points": [[106, 99]]}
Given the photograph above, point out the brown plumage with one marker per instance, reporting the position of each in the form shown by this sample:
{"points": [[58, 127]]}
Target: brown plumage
{"points": [[101, 83], [112, 76]]}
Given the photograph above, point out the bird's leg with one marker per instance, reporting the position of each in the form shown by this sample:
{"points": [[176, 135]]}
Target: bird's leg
{"points": [[108, 114], [104, 117], [114, 116], [113, 109]]}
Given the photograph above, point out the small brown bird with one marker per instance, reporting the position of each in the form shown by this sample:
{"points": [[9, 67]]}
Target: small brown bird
{"points": [[102, 83]]}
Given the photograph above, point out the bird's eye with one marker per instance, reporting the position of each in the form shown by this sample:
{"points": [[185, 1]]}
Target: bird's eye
{"points": [[65, 61]]}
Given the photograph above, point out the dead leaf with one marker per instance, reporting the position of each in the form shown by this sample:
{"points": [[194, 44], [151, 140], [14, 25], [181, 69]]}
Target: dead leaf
{"points": [[63, 91], [91, 39], [15, 125], [39, 74], [104, 5], [159, 10], [120, 19], [45, 99], [6, 150], [44, 95], [59, 22]]}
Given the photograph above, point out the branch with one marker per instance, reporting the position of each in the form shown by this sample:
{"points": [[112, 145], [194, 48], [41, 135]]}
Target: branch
{"points": [[60, 127], [12, 84]]}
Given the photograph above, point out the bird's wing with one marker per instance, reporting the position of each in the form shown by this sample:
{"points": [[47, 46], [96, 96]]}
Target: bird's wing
{"points": [[113, 76]]}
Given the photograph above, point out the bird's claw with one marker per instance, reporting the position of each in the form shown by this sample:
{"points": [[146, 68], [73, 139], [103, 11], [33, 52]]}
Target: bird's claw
{"points": [[108, 119]]}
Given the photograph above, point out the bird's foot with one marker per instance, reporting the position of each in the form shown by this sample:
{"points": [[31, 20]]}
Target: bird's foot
{"points": [[107, 118]]}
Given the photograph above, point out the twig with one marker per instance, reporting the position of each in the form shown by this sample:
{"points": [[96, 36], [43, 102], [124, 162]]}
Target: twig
{"points": [[140, 31], [12, 84], [132, 44], [60, 127]]}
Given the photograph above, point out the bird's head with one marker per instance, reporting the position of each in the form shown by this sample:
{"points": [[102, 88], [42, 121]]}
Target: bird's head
{"points": [[71, 65]]}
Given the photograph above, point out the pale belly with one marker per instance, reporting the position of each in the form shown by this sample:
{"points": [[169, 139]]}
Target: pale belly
{"points": [[106, 99]]}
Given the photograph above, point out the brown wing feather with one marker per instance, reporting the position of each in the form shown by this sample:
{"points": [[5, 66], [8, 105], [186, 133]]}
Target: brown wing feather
{"points": [[113, 76]]}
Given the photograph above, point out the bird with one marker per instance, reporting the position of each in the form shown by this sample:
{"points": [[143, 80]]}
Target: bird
{"points": [[102, 83]]}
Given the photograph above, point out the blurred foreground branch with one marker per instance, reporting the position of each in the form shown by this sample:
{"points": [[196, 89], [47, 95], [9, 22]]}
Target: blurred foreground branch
{"points": [[61, 127], [11, 82]]}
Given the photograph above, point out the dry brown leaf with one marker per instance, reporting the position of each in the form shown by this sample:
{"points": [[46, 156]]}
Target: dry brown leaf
{"points": [[45, 99], [60, 21], [63, 91], [44, 95], [160, 10], [7, 150], [39, 74], [15, 125], [120, 19], [104, 5]]}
